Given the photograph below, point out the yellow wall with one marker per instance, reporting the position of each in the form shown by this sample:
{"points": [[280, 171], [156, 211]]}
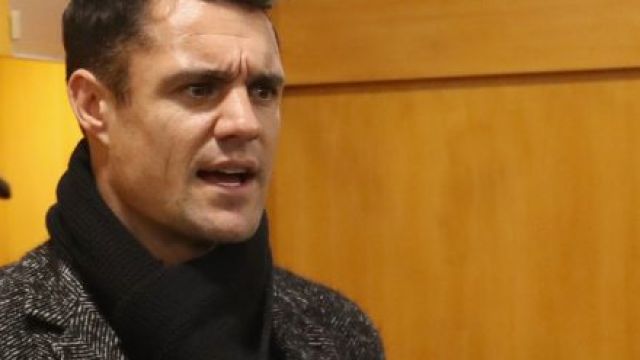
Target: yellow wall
{"points": [[37, 134]]}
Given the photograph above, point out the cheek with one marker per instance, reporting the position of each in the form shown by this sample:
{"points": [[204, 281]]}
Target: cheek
{"points": [[196, 131], [182, 140], [139, 151], [270, 119], [270, 144], [273, 135]]}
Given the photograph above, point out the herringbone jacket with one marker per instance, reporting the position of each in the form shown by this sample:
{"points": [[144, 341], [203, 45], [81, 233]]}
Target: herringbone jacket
{"points": [[45, 313]]}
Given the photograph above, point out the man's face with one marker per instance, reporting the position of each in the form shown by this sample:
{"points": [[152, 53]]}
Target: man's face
{"points": [[190, 154]]}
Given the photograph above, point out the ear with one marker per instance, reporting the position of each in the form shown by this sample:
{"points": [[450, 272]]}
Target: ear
{"points": [[92, 104]]}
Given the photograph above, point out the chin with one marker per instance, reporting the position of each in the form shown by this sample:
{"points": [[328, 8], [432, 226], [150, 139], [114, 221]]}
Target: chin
{"points": [[230, 236], [230, 229]]}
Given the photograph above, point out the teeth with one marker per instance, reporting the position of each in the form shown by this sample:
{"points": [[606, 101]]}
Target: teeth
{"points": [[233, 171]]}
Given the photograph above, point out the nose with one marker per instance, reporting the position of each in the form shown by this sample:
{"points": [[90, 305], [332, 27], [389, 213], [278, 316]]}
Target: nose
{"points": [[237, 119]]}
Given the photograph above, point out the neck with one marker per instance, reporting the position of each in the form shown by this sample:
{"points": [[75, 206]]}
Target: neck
{"points": [[219, 303], [163, 243]]}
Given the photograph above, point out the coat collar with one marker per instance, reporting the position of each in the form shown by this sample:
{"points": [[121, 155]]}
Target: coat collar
{"points": [[299, 331], [57, 301]]}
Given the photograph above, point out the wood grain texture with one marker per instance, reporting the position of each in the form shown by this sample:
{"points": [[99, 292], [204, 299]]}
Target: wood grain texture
{"points": [[492, 218], [335, 41]]}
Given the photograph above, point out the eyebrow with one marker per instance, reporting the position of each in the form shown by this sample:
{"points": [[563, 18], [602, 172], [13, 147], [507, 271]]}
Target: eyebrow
{"points": [[273, 79], [183, 76], [210, 75]]}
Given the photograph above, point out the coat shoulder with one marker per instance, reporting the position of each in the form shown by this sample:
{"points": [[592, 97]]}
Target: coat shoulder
{"points": [[17, 283], [310, 306], [17, 280]]}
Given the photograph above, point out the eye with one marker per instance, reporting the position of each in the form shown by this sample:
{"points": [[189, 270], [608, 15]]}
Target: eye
{"points": [[263, 92], [200, 90]]}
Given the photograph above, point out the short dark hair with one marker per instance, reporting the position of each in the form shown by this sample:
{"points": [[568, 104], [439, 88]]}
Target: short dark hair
{"points": [[97, 35]]}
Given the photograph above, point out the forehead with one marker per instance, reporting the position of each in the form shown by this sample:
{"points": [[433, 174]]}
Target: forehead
{"points": [[211, 30], [217, 13]]}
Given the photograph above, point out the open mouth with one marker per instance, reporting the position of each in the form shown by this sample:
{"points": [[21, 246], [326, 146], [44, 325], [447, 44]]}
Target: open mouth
{"points": [[231, 178]]}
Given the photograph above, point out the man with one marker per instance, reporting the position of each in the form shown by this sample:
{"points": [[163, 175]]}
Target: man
{"points": [[159, 241]]}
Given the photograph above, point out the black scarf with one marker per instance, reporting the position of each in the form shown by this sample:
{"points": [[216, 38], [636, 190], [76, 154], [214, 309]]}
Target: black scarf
{"points": [[215, 307]]}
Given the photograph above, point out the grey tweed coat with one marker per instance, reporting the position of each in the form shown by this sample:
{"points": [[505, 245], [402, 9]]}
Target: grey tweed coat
{"points": [[45, 313]]}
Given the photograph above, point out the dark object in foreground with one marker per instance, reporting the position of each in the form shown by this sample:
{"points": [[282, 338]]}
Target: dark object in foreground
{"points": [[5, 190]]}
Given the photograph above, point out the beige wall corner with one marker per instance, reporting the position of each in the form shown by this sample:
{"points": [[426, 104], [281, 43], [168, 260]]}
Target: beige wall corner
{"points": [[5, 40]]}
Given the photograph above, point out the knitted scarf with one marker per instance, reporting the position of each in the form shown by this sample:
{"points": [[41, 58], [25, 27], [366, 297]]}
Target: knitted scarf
{"points": [[217, 306]]}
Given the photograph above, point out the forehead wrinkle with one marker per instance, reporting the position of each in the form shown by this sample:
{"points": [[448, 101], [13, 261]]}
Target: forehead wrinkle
{"points": [[210, 59], [184, 20], [228, 55], [197, 44], [200, 34]]}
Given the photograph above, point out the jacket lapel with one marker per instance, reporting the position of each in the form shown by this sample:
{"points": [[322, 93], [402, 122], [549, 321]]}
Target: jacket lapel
{"points": [[298, 336], [87, 336], [74, 328]]}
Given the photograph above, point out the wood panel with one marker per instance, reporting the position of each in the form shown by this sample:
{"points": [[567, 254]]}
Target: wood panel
{"points": [[329, 41], [494, 218]]}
